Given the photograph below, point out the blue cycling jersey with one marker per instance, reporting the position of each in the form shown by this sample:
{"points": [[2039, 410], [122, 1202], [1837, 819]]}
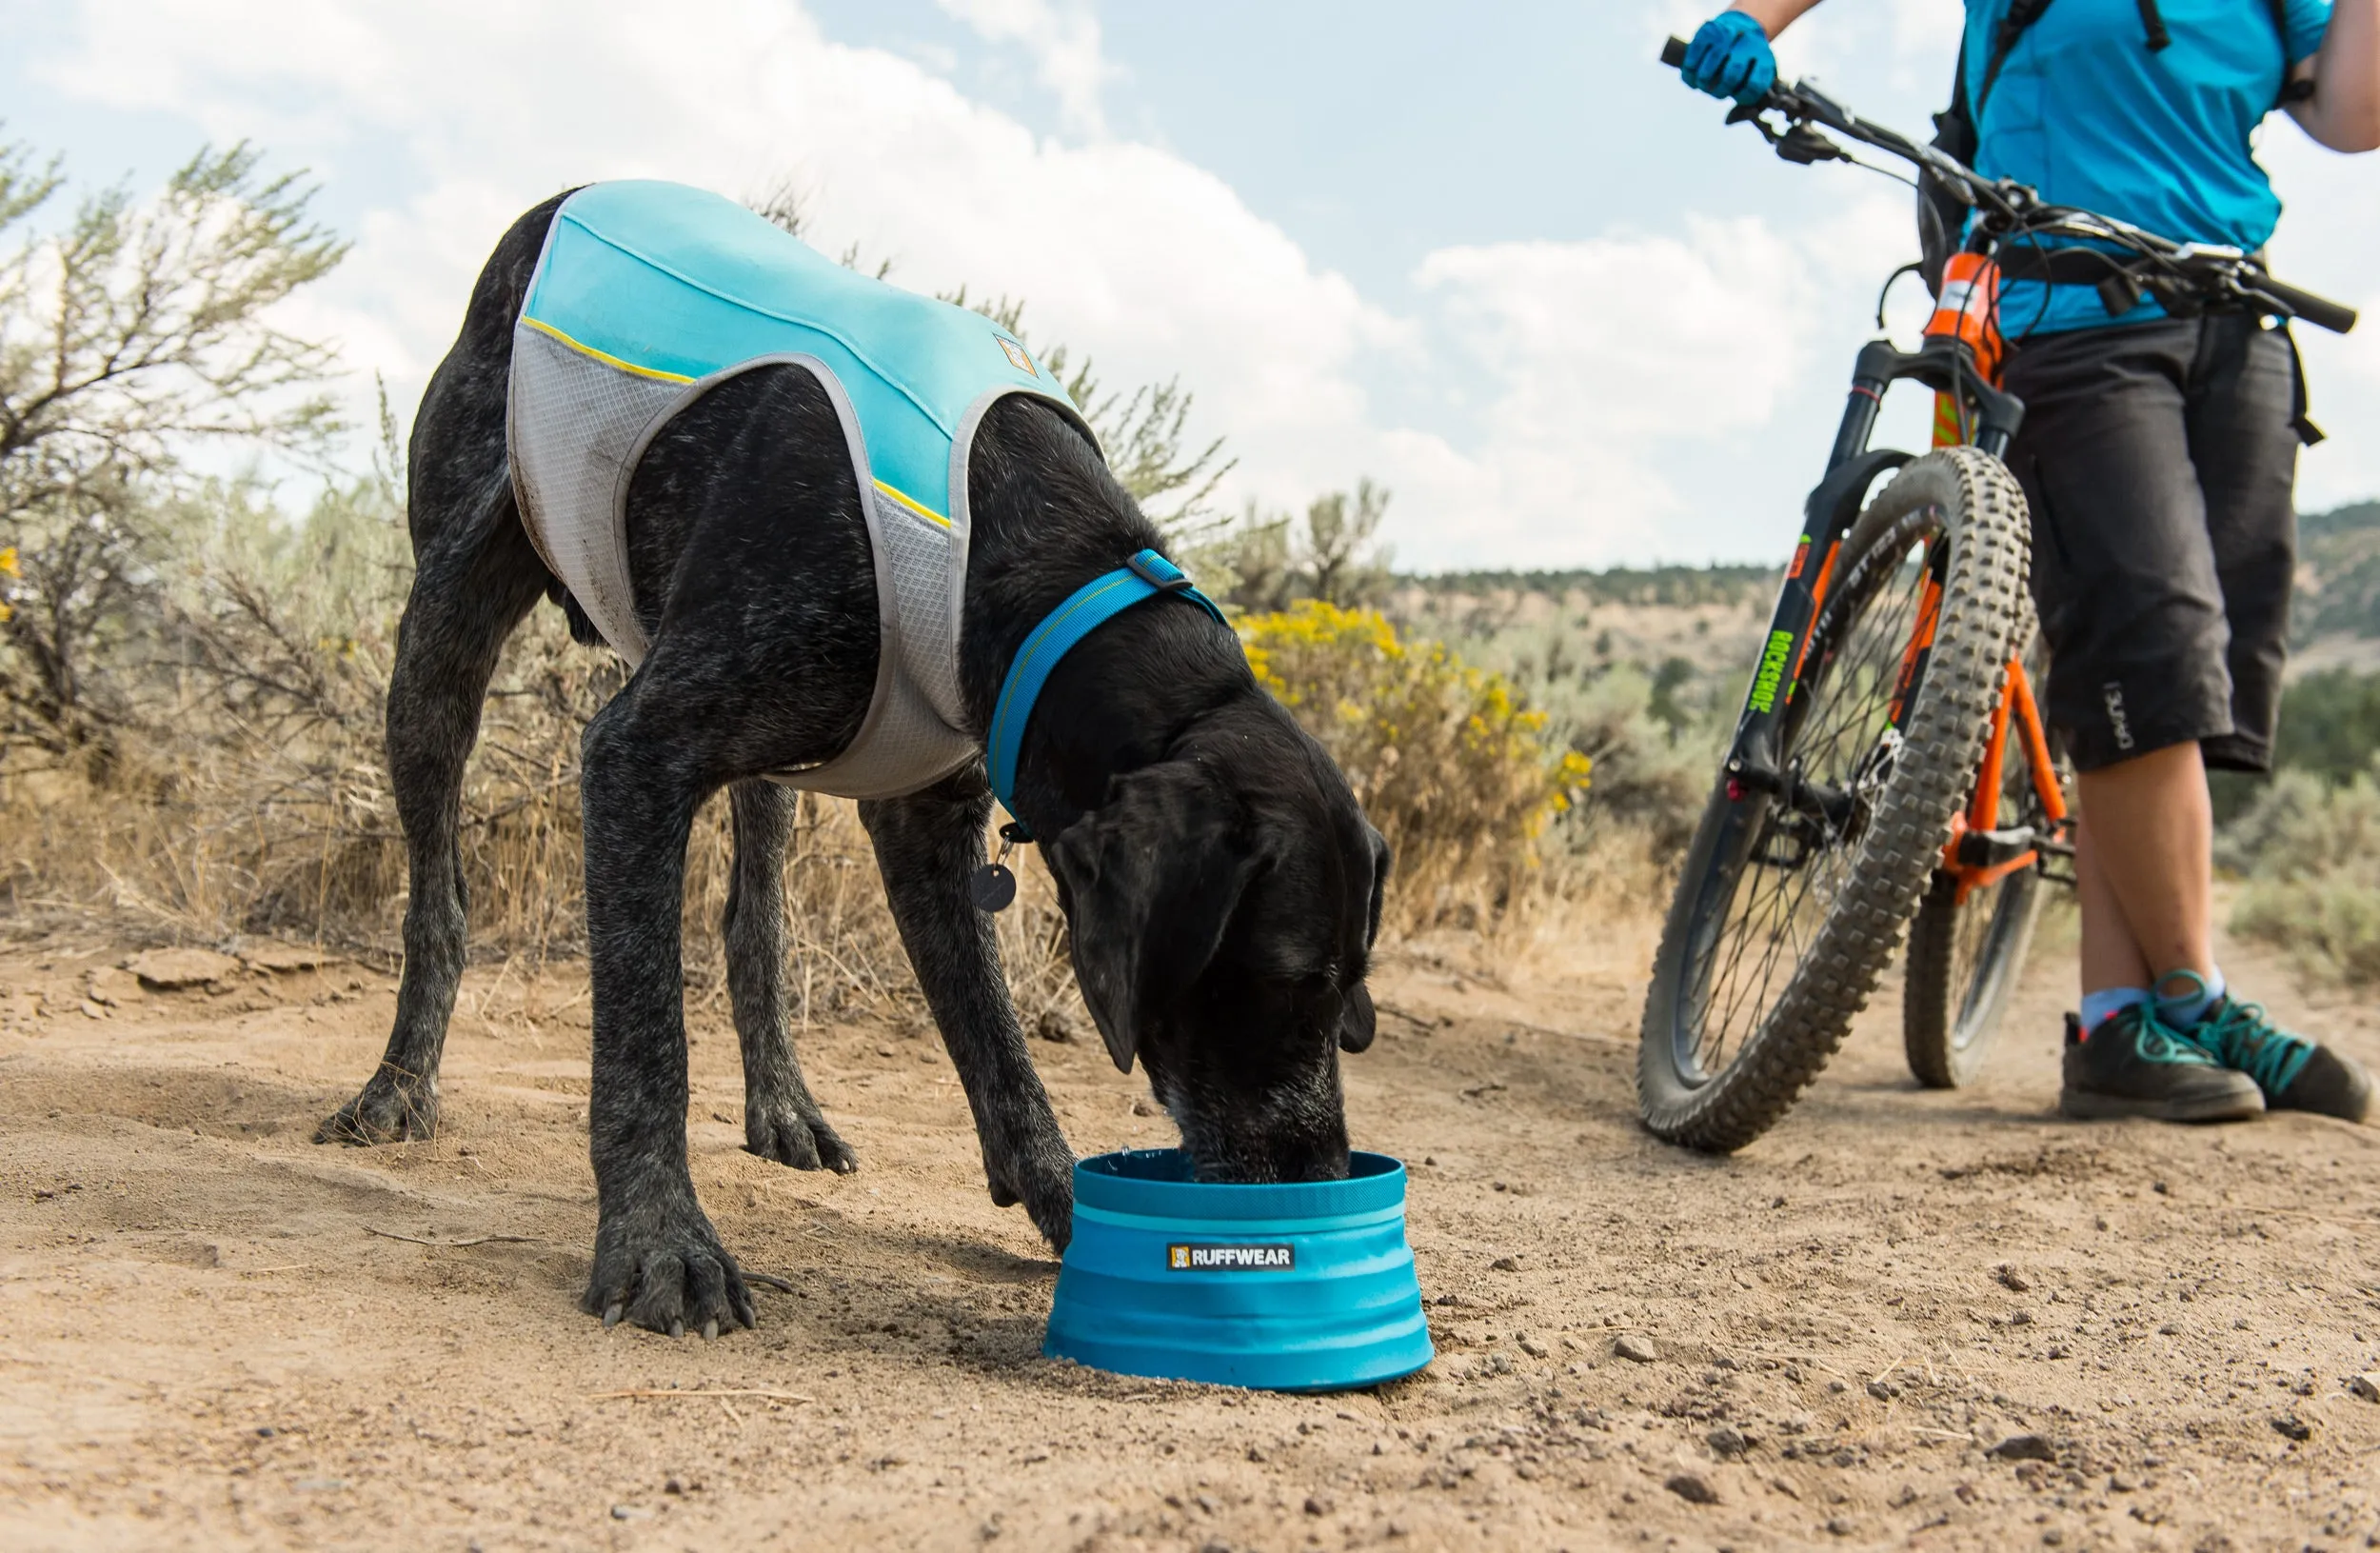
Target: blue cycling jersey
{"points": [[2084, 112]]}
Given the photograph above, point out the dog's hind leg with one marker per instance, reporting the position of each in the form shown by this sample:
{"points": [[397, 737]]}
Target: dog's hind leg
{"points": [[475, 575], [781, 1121], [468, 592], [927, 846]]}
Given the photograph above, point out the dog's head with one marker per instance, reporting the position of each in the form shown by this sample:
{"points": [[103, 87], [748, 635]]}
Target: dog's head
{"points": [[1221, 905]]}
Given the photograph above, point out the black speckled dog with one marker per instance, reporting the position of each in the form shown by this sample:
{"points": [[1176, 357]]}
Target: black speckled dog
{"points": [[1221, 884]]}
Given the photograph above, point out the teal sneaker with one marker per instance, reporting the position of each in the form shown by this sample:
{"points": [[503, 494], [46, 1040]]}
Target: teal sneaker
{"points": [[2134, 1065], [2295, 1074]]}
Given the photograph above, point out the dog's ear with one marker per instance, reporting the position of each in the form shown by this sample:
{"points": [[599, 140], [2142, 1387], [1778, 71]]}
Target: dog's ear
{"points": [[1152, 877], [1358, 1022]]}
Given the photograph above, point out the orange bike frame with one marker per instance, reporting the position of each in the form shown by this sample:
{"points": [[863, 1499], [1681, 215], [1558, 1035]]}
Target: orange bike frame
{"points": [[1967, 313]]}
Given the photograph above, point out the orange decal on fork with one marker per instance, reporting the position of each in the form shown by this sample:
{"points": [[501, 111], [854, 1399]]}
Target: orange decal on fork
{"points": [[1920, 642], [1818, 607]]}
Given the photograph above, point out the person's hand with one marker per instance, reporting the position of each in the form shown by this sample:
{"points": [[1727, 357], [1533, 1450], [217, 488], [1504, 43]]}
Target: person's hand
{"points": [[1729, 57]]}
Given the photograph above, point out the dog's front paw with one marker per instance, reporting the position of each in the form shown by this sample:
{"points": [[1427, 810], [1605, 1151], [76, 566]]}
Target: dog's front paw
{"points": [[1043, 1179], [781, 1131], [667, 1271], [394, 1108]]}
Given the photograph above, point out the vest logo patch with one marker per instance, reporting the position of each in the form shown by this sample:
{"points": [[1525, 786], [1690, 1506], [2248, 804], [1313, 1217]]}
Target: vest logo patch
{"points": [[1016, 357], [1231, 1257]]}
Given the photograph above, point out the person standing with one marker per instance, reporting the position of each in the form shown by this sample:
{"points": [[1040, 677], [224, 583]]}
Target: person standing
{"points": [[2158, 456]]}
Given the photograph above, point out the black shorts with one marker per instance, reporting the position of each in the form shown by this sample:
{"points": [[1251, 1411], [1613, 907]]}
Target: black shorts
{"points": [[2158, 460]]}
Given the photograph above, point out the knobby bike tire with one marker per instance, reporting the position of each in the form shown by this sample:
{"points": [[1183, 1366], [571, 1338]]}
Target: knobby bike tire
{"points": [[1949, 1020], [1971, 503], [1951, 1010]]}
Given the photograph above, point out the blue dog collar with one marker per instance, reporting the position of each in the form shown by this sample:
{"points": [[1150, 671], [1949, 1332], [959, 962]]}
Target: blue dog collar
{"points": [[1145, 576]]}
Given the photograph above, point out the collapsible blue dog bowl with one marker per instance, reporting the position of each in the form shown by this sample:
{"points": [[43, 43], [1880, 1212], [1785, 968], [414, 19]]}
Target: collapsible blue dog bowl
{"points": [[1290, 1287]]}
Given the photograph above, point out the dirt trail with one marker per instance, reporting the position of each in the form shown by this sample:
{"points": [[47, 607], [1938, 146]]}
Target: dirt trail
{"points": [[212, 1336]]}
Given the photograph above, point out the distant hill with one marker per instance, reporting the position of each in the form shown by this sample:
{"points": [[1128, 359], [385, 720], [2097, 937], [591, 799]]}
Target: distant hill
{"points": [[2338, 581], [1677, 587], [2339, 573]]}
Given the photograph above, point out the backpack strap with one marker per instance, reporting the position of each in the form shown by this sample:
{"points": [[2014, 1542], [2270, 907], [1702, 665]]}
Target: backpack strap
{"points": [[2152, 23], [2020, 18], [2291, 91]]}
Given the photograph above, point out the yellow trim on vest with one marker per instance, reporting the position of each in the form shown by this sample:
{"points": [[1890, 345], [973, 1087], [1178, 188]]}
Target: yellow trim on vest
{"points": [[912, 503], [588, 350]]}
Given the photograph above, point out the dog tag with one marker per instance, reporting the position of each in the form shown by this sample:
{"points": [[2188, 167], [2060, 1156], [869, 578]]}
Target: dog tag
{"points": [[993, 887]]}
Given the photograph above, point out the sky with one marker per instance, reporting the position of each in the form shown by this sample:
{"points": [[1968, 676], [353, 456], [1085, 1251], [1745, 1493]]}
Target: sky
{"points": [[1494, 257]]}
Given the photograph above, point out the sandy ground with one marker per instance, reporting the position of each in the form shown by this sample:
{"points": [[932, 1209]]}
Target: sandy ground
{"points": [[212, 1334]]}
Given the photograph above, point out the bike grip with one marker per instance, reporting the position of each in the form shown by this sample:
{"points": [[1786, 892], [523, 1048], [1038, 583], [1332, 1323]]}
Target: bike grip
{"points": [[1673, 53], [2320, 312]]}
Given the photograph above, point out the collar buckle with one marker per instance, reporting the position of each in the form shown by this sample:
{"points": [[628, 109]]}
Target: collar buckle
{"points": [[1158, 572]]}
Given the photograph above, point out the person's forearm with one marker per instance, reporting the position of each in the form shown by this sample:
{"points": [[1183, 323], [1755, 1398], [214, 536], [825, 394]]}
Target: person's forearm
{"points": [[2343, 112], [1775, 16]]}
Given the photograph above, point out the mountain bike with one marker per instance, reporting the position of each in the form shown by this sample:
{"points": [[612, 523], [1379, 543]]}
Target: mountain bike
{"points": [[1890, 769]]}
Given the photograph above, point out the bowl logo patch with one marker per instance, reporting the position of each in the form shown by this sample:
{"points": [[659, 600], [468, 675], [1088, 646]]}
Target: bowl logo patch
{"points": [[1016, 355], [1276, 1258]]}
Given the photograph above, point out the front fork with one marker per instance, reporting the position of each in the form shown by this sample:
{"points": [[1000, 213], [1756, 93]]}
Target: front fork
{"points": [[1989, 415]]}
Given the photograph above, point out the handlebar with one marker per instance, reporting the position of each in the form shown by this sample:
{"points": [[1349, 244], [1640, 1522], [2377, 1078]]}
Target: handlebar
{"points": [[2291, 303], [2010, 209]]}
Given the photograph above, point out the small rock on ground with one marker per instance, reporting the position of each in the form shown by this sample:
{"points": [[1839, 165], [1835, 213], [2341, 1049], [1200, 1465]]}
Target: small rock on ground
{"points": [[1636, 1350], [174, 970], [2024, 1447], [287, 959], [1692, 1488]]}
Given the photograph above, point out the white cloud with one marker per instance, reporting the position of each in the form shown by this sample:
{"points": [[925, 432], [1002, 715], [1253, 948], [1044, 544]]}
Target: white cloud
{"points": [[1064, 43], [1149, 263], [1630, 396]]}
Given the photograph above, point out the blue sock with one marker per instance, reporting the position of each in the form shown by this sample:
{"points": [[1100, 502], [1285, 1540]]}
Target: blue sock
{"points": [[2190, 1007], [2104, 1005]]}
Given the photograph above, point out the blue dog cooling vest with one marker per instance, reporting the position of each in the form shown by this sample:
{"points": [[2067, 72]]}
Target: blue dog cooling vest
{"points": [[647, 296]]}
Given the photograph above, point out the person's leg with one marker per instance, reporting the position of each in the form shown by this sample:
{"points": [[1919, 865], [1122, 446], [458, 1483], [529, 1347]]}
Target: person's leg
{"points": [[2242, 410], [2124, 581], [2125, 578], [2145, 842]]}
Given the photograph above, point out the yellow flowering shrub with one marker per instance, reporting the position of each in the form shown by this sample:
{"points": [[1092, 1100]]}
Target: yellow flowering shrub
{"points": [[1451, 765]]}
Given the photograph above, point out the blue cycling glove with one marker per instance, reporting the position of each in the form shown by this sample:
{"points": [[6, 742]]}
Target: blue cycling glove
{"points": [[1729, 57]]}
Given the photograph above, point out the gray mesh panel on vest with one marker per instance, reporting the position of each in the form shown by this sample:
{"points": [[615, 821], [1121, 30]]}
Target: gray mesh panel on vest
{"points": [[573, 424], [913, 739], [922, 555]]}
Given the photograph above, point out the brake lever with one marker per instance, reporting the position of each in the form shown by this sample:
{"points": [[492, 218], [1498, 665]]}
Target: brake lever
{"points": [[1796, 143], [1803, 146]]}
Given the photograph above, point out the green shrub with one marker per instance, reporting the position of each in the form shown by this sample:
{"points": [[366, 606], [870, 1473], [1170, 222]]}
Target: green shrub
{"points": [[2310, 852], [1451, 765]]}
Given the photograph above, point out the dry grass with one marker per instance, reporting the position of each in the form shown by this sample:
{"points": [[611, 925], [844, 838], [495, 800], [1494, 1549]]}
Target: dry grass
{"points": [[248, 796]]}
